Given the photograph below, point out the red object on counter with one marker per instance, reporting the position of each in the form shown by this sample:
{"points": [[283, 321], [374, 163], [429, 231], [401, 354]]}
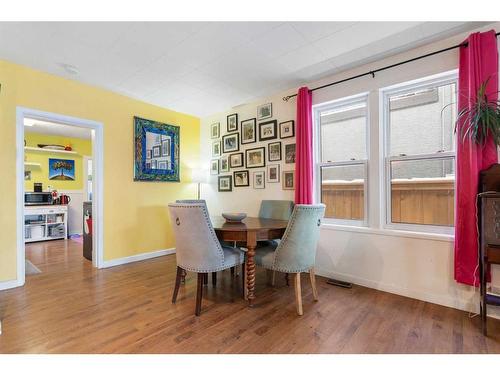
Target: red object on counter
{"points": [[89, 225]]}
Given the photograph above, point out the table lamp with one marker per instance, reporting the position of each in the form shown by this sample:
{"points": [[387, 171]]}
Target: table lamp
{"points": [[199, 176]]}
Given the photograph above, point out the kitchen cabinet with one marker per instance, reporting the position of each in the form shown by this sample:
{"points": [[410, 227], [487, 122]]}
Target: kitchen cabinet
{"points": [[42, 223]]}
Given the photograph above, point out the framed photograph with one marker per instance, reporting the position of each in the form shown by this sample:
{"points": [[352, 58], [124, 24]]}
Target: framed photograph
{"points": [[258, 180], [165, 147], [268, 130], [232, 122], [61, 169], [156, 151], [288, 180], [224, 164], [265, 111], [236, 160], [287, 129], [215, 130], [225, 183], [290, 153], [231, 142], [216, 149], [273, 173], [241, 178], [255, 157], [214, 167], [249, 131], [274, 151]]}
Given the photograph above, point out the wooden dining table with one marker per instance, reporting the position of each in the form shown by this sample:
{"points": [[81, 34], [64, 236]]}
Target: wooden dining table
{"points": [[250, 230]]}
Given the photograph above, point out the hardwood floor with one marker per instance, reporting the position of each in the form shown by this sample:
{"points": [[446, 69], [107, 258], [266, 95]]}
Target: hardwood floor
{"points": [[72, 308]]}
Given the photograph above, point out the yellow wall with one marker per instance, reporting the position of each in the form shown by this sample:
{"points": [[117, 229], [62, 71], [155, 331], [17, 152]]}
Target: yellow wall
{"points": [[41, 174], [136, 218]]}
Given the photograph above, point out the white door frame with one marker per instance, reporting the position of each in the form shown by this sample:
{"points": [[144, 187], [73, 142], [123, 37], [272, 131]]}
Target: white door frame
{"points": [[98, 182], [85, 174]]}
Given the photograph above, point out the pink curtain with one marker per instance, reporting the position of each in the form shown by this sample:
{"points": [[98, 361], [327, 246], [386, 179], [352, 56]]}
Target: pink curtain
{"points": [[303, 148], [478, 62]]}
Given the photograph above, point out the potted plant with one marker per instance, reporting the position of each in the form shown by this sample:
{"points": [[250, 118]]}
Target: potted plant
{"points": [[481, 119]]}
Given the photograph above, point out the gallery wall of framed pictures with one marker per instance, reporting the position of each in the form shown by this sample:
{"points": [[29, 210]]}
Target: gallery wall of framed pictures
{"points": [[253, 152]]}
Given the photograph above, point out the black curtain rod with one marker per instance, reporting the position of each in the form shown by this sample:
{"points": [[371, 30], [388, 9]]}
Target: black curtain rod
{"points": [[372, 72]]}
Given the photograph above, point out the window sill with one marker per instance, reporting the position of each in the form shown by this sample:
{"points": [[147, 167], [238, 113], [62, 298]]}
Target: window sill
{"points": [[390, 232]]}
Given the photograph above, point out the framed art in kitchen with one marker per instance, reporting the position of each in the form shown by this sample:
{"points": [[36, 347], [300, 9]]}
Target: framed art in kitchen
{"points": [[255, 157], [268, 130], [156, 151], [249, 131], [287, 129], [225, 183], [232, 122], [231, 142]]}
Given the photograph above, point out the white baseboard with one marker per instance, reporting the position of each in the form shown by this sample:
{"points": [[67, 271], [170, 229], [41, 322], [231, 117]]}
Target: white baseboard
{"points": [[137, 258], [456, 303], [9, 284]]}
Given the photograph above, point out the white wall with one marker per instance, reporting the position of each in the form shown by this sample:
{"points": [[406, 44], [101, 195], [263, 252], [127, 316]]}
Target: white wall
{"points": [[412, 265]]}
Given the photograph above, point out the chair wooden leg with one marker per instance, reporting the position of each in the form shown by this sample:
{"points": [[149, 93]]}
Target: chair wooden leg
{"points": [[178, 278], [298, 294], [287, 279], [205, 279], [313, 284], [244, 281], [273, 278], [232, 271], [183, 276], [214, 278], [199, 293]]}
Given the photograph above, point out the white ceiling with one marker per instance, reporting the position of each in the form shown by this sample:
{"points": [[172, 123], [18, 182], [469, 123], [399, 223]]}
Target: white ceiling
{"points": [[202, 68], [53, 128]]}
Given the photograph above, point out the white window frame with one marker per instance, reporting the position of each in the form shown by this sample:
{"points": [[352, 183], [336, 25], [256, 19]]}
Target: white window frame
{"points": [[386, 159], [318, 164]]}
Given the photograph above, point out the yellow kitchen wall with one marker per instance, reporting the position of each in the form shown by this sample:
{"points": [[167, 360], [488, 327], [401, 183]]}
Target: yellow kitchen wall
{"points": [[82, 147], [136, 217]]}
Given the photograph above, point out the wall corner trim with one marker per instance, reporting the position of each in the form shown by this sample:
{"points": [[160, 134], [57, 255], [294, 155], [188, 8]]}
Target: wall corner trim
{"points": [[137, 258]]}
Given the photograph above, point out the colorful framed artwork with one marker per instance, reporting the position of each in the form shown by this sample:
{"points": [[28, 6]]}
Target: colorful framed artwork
{"points": [[249, 131], [231, 142], [232, 122], [274, 151], [241, 179], [216, 149], [225, 183], [259, 180], [215, 130], [214, 167], [268, 130], [236, 160], [156, 151], [61, 169], [273, 173], [287, 129], [265, 111], [255, 157], [290, 153], [224, 164], [288, 180]]}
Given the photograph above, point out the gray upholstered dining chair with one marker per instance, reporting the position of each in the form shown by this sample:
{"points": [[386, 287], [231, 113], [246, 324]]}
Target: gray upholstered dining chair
{"points": [[276, 209], [296, 252], [197, 246]]}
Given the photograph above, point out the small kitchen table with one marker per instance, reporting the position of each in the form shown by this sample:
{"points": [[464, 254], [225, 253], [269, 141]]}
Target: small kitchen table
{"points": [[250, 230]]}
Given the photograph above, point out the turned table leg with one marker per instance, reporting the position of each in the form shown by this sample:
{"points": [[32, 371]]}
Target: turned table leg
{"points": [[250, 266]]}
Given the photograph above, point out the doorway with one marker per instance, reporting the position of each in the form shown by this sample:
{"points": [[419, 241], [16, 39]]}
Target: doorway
{"points": [[55, 220]]}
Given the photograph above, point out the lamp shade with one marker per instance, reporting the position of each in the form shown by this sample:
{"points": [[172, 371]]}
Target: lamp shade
{"points": [[199, 175]]}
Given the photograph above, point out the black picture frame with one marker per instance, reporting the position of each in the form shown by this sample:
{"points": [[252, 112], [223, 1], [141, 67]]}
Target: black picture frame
{"points": [[156, 153], [229, 125], [248, 122], [216, 154], [265, 111], [165, 147], [263, 164], [244, 171], [232, 165], [290, 150], [230, 180], [269, 145], [281, 129], [274, 124], [216, 126], [212, 163], [237, 135], [221, 163]]}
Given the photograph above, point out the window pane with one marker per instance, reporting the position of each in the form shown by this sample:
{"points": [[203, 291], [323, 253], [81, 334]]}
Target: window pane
{"points": [[422, 191], [343, 133], [343, 190], [426, 115]]}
